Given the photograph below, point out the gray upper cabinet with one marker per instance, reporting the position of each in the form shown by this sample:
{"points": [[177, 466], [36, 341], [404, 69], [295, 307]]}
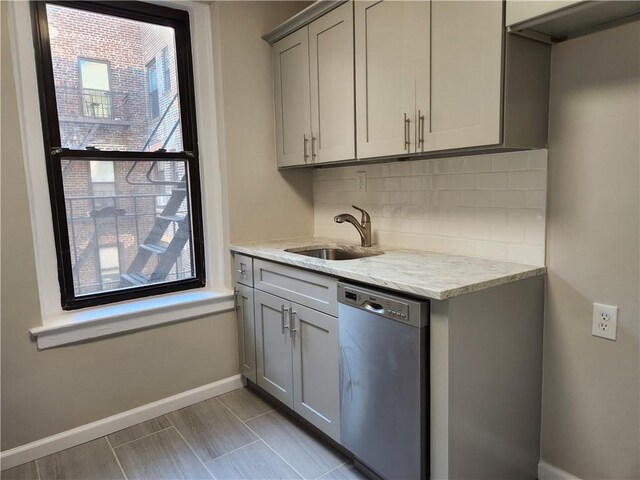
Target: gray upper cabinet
{"points": [[386, 52], [292, 104], [431, 77], [246, 331], [461, 99], [332, 89], [316, 395], [314, 91], [273, 349]]}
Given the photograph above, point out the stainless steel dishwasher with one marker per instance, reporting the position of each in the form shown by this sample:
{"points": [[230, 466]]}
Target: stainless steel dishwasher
{"points": [[383, 381]]}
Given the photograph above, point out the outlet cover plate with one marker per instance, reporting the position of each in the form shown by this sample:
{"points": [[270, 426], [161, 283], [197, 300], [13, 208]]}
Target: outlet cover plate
{"points": [[605, 321]]}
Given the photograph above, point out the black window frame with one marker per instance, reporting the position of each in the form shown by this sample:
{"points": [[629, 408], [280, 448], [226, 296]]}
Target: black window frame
{"points": [[55, 154]]}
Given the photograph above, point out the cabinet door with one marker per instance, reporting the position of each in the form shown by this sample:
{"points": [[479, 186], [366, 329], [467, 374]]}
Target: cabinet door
{"points": [[316, 380], [466, 75], [246, 331], [332, 89], [385, 78], [293, 104], [273, 347]]}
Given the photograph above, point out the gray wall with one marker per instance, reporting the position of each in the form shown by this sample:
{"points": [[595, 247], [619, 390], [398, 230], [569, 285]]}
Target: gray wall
{"points": [[47, 392], [590, 421]]}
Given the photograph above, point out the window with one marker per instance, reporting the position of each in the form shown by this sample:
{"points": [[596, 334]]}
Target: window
{"points": [[103, 184], [95, 90], [122, 165], [166, 70], [109, 267], [152, 88]]}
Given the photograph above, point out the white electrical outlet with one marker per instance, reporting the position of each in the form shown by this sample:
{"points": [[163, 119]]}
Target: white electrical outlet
{"points": [[605, 321], [362, 181]]}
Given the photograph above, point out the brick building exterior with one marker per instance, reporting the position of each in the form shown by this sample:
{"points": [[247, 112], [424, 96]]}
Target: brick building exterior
{"points": [[116, 89]]}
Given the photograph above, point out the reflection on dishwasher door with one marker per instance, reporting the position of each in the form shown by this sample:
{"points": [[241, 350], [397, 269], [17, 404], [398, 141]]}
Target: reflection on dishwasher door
{"points": [[383, 381]]}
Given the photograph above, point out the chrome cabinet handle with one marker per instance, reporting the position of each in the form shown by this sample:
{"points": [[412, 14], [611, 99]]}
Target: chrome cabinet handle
{"points": [[407, 125], [306, 140], [242, 271], [313, 147], [420, 131], [292, 322], [283, 310], [236, 304]]}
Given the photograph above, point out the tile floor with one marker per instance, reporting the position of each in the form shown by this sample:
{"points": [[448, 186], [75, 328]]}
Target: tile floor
{"points": [[234, 436]]}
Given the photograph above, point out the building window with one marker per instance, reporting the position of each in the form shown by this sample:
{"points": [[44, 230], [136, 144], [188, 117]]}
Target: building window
{"points": [[95, 88], [152, 88], [109, 259], [125, 190], [166, 70]]}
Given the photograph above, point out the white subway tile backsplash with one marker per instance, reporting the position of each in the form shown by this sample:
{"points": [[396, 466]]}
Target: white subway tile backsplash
{"points": [[392, 183], [537, 160], [476, 198], [536, 199], [480, 163], [492, 181], [490, 206], [508, 198], [462, 181], [530, 180], [400, 169], [510, 161], [411, 183], [439, 182]]}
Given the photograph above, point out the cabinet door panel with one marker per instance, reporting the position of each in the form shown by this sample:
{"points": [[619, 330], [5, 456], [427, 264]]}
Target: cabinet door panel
{"points": [[466, 73], [332, 89], [385, 77], [316, 394], [293, 104], [274, 362], [246, 331]]}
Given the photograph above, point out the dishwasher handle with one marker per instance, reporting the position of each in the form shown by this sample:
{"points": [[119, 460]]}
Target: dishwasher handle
{"points": [[373, 307]]}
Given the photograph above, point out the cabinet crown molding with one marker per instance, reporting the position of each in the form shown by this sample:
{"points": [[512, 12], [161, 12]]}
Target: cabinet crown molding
{"points": [[301, 19]]}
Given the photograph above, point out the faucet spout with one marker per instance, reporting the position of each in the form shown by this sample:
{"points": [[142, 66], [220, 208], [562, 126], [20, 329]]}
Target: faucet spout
{"points": [[363, 227]]}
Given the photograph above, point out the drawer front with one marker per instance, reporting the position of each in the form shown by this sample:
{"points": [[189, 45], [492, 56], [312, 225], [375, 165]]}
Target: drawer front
{"points": [[243, 269], [310, 289]]}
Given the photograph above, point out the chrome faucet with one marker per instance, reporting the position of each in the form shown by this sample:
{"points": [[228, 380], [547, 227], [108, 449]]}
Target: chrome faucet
{"points": [[363, 227]]}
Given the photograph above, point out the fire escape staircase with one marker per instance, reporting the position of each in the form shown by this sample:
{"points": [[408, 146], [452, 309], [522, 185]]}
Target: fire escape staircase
{"points": [[167, 254]]}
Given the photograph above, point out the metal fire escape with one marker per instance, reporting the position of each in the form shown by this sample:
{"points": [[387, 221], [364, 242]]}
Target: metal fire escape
{"points": [[167, 254]]}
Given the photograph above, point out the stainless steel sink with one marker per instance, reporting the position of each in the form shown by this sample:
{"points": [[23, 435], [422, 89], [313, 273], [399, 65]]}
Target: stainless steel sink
{"points": [[335, 253]]}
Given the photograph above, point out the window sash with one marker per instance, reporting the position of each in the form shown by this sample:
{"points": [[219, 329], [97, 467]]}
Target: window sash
{"points": [[179, 21]]}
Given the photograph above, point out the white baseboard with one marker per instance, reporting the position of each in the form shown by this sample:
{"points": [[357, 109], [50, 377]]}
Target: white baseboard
{"points": [[549, 472], [91, 431]]}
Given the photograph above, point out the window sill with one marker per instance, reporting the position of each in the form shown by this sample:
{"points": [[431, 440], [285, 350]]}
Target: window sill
{"points": [[73, 327]]}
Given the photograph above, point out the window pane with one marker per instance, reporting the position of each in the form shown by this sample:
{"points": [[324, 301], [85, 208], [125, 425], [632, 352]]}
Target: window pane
{"points": [[106, 82], [131, 232]]}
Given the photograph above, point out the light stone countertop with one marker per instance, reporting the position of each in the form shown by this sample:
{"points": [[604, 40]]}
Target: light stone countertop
{"points": [[424, 274]]}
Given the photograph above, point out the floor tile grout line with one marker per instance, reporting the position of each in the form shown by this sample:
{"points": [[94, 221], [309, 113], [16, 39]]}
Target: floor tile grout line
{"points": [[106, 437], [194, 452], [332, 470], [265, 442], [232, 451], [257, 416], [140, 438]]}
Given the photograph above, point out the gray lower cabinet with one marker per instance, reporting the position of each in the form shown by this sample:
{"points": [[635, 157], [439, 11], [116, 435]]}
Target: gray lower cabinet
{"points": [[273, 348], [297, 359], [316, 395], [246, 331]]}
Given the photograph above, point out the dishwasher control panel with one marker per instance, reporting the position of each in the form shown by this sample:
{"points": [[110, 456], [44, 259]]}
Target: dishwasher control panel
{"points": [[395, 308]]}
